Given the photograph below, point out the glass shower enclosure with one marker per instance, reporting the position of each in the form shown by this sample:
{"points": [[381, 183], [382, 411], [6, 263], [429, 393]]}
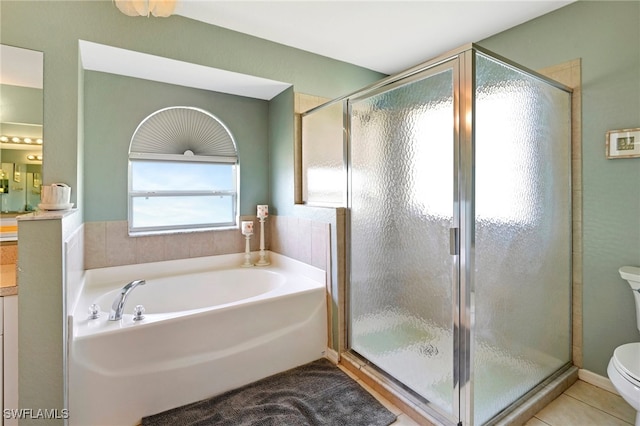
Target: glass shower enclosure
{"points": [[459, 232]]}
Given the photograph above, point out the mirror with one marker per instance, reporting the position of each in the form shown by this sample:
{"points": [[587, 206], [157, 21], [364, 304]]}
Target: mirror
{"points": [[21, 113]]}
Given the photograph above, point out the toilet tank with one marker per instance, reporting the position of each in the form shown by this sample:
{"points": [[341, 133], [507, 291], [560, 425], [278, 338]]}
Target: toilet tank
{"points": [[632, 275]]}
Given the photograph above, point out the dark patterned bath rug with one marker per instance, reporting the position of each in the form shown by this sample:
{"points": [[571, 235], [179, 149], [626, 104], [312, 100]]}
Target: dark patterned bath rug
{"points": [[318, 393]]}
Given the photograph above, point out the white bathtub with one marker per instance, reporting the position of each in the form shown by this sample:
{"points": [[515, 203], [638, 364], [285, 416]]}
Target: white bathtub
{"points": [[209, 327]]}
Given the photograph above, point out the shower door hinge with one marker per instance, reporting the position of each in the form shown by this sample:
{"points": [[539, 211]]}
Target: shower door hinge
{"points": [[454, 245]]}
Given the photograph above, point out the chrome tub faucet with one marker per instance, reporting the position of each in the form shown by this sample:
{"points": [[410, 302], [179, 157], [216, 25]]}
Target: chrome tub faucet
{"points": [[118, 304]]}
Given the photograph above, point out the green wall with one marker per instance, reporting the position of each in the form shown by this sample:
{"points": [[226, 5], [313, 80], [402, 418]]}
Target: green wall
{"points": [[17, 156], [20, 105], [606, 36], [54, 27], [281, 151], [109, 127]]}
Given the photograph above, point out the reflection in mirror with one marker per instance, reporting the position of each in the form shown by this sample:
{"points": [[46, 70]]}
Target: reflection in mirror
{"points": [[21, 90]]}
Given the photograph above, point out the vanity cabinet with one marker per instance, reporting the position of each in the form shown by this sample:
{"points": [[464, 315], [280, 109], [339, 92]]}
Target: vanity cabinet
{"points": [[9, 356]]}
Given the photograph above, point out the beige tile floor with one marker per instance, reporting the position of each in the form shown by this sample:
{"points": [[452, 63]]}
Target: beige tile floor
{"points": [[581, 405], [585, 405]]}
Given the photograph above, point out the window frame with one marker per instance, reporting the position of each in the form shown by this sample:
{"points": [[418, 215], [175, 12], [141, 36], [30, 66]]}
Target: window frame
{"points": [[167, 229], [183, 134]]}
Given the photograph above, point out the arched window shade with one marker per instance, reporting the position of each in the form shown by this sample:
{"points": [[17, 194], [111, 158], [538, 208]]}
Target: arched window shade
{"points": [[183, 173], [183, 131]]}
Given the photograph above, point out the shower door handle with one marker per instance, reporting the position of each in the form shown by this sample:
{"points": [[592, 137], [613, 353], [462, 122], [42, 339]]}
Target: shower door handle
{"points": [[454, 245]]}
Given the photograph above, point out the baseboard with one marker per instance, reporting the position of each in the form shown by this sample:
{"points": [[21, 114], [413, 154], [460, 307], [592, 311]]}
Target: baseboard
{"points": [[596, 380], [332, 356]]}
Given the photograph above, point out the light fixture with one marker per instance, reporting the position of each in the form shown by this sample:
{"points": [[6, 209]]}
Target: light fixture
{"points": [[33, 157], [20, 140], [159, 8]]}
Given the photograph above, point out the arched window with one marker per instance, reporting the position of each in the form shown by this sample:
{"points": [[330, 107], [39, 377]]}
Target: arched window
{"points": [[183, 173]]}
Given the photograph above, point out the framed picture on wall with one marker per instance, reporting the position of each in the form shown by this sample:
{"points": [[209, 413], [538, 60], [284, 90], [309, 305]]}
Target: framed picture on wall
{"points": [[623, 143]]}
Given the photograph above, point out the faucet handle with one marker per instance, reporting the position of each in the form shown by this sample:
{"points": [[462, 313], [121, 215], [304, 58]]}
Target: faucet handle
{"points": [[138, 313], [94, 311]]}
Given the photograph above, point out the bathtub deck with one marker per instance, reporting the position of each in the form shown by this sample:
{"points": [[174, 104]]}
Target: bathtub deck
{"points": [[211, 349]]}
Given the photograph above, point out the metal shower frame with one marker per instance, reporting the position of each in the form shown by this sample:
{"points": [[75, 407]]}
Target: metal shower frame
{"points": [[463, 63]]}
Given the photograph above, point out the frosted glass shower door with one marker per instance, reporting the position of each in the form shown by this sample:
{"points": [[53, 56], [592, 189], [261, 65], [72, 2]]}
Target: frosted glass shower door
{"points": [[522, 281], [402, 274]]}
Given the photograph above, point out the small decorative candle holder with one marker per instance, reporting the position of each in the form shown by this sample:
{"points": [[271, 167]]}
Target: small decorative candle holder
{"points": [[263, 213], [247, 231]]}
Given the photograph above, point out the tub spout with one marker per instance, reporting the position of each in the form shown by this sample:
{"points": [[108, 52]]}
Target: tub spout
{"points": [[118, 305]]}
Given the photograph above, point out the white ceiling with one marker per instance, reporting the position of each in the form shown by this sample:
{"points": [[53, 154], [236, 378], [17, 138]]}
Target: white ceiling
{"points": [[385, 36], [20, 67]]}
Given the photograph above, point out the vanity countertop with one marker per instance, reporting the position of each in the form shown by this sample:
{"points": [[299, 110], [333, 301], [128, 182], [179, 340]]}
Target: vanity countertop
{"points": [[46, 214], [8, 284]]}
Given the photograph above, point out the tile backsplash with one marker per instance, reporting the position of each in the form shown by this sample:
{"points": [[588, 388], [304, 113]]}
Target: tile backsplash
{"points": [[108, 243], [302, 239], [74, 264], [8, 254]]}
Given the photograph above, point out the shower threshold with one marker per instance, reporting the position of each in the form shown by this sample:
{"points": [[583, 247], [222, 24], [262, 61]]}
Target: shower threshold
{"points": [[421, 410]]}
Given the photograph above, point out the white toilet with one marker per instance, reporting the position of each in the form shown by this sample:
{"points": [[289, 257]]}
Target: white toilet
{"points": [[624, 366]]}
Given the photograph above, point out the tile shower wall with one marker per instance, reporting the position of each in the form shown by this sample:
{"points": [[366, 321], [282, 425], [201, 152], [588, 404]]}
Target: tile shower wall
{"points": [[570, 74], [108, 243]]}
